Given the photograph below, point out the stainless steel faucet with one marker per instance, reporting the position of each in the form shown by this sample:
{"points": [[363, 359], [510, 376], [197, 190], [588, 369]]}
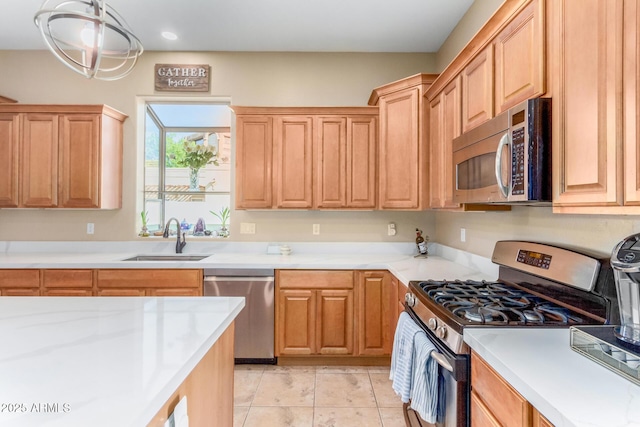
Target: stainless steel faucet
{"points": [[180, 243]]}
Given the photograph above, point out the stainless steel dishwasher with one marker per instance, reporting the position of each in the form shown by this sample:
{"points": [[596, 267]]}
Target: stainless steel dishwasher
{"points": [[254, 326]]}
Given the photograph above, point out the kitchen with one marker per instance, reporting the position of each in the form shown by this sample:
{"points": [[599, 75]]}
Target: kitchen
{"points": [[282, 79]]}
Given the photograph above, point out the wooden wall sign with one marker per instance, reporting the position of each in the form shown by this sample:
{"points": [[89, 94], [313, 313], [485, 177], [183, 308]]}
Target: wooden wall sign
{"points": [[182, 77]]}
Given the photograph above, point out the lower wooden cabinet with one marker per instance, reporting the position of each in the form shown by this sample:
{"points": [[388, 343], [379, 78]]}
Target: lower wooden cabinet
{"points": [[19, 282], [67, 283], [377, 312], [149, 282], [494, 403], [335, 312], [108, 282], [314, 312]]}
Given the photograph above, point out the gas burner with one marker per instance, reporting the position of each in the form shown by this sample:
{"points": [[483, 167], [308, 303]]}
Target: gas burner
{"points": [[476, 301]]}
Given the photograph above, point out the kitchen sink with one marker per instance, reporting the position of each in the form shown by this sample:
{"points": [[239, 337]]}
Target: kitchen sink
{"points": [[167, 258]]}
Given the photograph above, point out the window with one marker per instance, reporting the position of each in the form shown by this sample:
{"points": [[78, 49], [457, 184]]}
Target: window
{"points": [[187, 175]]}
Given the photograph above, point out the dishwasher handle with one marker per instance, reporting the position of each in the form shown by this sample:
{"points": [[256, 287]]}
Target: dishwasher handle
{"points": [[239, 272], [237, 279]]}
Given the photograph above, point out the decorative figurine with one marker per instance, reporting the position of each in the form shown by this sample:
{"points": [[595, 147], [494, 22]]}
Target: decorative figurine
{"points": [[199, 228], [421, 243]]}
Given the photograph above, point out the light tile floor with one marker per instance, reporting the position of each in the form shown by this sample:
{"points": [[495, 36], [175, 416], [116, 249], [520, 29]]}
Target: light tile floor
{"points": [[315, 396]]}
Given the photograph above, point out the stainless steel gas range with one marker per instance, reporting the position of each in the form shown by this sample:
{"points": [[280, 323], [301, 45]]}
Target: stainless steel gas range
{"points": [[538, 286]]}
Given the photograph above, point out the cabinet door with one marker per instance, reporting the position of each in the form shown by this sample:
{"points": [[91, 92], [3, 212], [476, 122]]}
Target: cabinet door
{"points": [[293, 162], [481, 416], [20, 282], [254, 151], [19, 292], [631, 97], [39, 160], [444, 127], [377, 300], [361, 162], [296, 322], [477, 90], [500, 400], [61, 292], [79, 161], [67, 282], [9, 159], [400, 151], [587, 103], [519, 58], [334, 328], [330, 162], [539, 420], [149, 278], [128, 292]]}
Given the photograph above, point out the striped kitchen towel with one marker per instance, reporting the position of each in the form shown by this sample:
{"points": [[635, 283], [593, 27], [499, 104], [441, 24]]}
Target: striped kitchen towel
{"points": [[402, 356], [425, 390]]}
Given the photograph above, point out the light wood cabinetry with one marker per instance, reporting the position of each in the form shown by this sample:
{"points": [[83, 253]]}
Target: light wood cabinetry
{"points": [[445, 126], [345, 162], [306, 157], [314, 312], [208, 388], [519, 58], [477, 90], [494, 403], [587, 92], [149, 282], [293, 161], [254, 153], [67, 283], [403, 168], [377, 312], [21, 282], [61, 156]]}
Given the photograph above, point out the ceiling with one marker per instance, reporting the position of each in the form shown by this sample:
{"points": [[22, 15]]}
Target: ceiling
{"points": [[265, 25]]}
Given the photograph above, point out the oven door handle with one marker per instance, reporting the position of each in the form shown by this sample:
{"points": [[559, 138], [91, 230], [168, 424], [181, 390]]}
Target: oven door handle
{"points": [[442, 361]]}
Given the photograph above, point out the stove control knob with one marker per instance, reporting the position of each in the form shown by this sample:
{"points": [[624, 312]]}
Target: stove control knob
{"points": [[410, 299], [441, 332], [432, 324]]}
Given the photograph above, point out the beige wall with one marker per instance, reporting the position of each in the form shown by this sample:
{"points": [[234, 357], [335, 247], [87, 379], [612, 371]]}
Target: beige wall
{"points": [[261, 79]]}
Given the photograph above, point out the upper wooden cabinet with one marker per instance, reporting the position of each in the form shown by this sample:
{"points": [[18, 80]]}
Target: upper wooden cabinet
{"points": [[588, 41], [60, 156], [293, 161], [445, 125], [403, 167], [519, 58], [306, 157], [477, 90]]}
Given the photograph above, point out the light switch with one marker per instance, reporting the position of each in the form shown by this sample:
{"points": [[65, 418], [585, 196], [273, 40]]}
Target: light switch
{"points": [[247, 228]]}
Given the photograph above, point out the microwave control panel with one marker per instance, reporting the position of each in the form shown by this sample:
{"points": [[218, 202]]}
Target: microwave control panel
{"points": [[518, 147]]}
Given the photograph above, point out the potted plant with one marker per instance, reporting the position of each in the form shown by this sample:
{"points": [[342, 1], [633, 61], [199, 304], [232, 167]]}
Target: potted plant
{"points": [[196, 157], [223, 216], [144, 232]]}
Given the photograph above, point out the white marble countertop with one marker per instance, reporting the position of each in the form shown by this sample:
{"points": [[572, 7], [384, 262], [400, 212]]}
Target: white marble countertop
{"points": [[101, 361], [442, 263], [566, 387]]}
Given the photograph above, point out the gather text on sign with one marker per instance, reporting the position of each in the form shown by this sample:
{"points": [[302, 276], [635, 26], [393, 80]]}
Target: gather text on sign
{"points": [[182, 77]]}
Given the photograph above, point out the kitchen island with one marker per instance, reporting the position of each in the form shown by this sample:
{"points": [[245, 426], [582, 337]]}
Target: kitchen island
{"points": [[564, 386], [113, 361]]}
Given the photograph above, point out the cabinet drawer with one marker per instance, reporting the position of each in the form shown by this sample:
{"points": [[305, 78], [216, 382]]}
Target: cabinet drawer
{"points": [[148, 278], [20, 278], [68, 278], [314, 279], [506, 405]]}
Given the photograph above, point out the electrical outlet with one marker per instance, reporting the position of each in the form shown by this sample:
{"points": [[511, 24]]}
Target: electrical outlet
{"points": [[316, 229], [463, 235], [90, 228], [247, 228], [391, 229]]}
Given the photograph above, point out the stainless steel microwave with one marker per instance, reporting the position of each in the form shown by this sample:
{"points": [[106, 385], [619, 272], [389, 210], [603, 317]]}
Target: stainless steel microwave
{"points": [[506, 159]]}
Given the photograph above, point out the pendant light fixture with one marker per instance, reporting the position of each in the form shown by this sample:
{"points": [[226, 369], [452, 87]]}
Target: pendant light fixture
{"points": [[89, 37]]}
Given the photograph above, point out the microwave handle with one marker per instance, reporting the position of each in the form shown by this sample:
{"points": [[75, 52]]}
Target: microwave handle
{"points": [[504, 141]]}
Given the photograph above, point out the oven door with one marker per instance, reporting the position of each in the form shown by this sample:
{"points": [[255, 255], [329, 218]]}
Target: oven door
{"points": [[455, 372]]}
